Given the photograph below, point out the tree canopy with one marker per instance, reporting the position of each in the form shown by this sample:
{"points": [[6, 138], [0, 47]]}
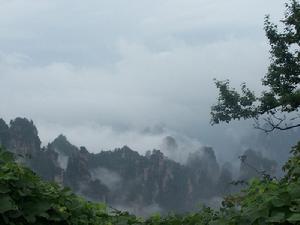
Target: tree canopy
{"points": [[279, 104]]}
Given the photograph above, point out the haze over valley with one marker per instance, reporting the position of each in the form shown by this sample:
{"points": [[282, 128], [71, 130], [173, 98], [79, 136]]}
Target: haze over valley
{"points": [[134, 104]]}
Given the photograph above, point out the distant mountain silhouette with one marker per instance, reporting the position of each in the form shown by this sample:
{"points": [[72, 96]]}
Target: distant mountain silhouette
{"points": [[123, 178]]}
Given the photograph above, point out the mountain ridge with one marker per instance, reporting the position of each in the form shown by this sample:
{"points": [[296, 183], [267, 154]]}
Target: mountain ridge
{"points": [[122, 177]]}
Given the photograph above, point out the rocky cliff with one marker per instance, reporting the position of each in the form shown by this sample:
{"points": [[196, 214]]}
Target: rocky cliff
{"points": [[123, 178]]}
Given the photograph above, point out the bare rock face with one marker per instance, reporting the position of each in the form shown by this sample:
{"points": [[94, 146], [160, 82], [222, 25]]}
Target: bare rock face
{"points": [[23, 138], [4, 133], [205, 173], [169, 144], [123, 178], [64, 149], [254, 164], [45, 163]]}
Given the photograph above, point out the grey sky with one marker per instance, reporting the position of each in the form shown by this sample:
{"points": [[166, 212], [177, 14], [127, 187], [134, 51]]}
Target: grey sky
{"points": [[102, 71]]}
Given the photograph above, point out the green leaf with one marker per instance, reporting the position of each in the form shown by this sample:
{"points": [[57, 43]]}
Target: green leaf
{"points": [[294, 218], [30, 219], [296, 171], [294, 191], [45, 215], [277, 202], [6, 156], [4, 189], [295, 208], [36, 208], [277, 217], [6, 204]]}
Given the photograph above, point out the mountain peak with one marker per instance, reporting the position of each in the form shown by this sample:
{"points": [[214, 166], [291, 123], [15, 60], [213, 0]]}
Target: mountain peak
{"points": [[63, 146]]}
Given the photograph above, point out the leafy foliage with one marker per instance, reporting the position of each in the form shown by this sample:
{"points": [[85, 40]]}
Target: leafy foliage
{"points": [[267, 201], [282, 81], [26, 199]]}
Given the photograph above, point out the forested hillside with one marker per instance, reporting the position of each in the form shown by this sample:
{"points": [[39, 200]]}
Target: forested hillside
{"points": [[26, 199], [124, 179]]}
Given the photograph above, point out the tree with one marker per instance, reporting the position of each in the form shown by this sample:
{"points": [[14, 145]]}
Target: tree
{"points": [[279, 104]]}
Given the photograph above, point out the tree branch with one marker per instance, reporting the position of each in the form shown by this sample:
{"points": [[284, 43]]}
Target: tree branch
{"points": [[275, 126]]}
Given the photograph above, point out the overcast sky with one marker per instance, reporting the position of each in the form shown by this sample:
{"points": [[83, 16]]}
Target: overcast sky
{"points": [[112, 72]]}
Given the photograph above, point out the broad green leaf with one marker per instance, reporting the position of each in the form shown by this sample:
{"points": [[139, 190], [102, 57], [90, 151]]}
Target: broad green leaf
{"points": [[278, 202], [295, 208], [277, 217], [36, 208], [4, 189], [6, 204], [296, 171], [294, 191], [294, 218], [30, 218], [6, 156]]}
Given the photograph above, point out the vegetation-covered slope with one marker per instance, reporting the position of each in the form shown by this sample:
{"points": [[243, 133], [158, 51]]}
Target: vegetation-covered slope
{"points": [[126, 179], [26, 199]]}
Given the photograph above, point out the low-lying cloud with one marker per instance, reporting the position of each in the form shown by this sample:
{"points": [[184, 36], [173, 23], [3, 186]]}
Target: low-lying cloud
{"points": [[110, 179], [101, 72]]}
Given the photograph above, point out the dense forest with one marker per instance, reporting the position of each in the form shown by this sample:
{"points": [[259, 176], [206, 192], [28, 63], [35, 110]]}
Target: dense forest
{"points": [[37, 184]]}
